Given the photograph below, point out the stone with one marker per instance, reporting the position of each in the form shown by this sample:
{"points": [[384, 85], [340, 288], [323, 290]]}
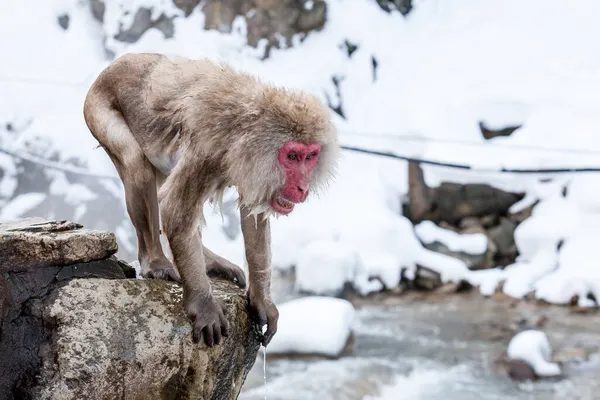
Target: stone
{"points": [[276, 22], [97, 7], [132, 340], [419, 195], [503, 236], [63, 21], [426, 278], [36, 243], [453, 202], [186, 5], [489, 133], [142, 22], [78, 325], [520, 371], [404, 6]]}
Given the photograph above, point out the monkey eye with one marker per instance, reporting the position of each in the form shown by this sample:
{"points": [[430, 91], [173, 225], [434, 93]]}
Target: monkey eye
{"points": [[311, 155], [293, 156]]}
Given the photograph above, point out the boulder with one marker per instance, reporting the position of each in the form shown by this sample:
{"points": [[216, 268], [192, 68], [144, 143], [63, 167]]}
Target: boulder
{"points": [[73, 323]]}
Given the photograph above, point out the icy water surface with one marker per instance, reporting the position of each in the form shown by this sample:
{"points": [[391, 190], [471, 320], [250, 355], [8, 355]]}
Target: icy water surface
{"points": [[434, 347]]}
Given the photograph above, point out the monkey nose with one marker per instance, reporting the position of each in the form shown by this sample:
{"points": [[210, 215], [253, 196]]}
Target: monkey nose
{"points": [[303, 188]]}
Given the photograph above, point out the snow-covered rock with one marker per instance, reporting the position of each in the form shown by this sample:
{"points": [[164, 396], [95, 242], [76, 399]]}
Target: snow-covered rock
{"points": [[533, 347], [313, 325]]}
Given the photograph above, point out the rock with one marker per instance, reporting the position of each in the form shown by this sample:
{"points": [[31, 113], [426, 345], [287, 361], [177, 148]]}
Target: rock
{"points": [[133, 340], [520, 371], [186, 5], [98, 8], [34, 243], [489, 133], [63, 21], [503, 235], [79, 326], [142, 21], [419, 195], [426, 278], [453, 202], [404, 6], [471, 224], [275, 21]]}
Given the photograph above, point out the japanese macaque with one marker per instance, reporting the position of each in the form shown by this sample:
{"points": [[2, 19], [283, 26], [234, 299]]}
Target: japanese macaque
{"points": [[181, 131]]}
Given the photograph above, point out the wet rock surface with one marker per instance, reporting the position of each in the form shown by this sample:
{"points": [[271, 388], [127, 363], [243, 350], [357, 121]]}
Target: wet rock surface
{"points": [[72, 323]]}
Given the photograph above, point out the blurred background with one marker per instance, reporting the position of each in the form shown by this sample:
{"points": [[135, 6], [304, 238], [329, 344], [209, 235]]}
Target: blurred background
{"points": [[406, 279]]}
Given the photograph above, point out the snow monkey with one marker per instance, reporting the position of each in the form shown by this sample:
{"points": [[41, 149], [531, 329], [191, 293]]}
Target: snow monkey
{"points": [[181, 131]]}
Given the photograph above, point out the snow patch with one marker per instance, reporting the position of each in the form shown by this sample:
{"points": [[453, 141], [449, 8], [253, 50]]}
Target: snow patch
{"points": [[313, 325], [470, 243]]}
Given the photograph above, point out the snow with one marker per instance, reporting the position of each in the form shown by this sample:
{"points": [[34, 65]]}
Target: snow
{"points": [[441, 71], [313, 325], [21, 204], [323, 265], [470, 243], [533, 347]]}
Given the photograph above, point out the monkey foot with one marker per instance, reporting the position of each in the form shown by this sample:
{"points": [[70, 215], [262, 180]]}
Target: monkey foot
{"points": [[162, 270], [208, 316], [230, 272]]}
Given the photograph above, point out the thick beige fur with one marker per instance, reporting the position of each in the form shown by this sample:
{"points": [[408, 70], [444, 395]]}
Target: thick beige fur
{"points": [[196, 127]]}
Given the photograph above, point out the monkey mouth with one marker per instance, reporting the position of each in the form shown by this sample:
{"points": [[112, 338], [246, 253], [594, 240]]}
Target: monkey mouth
{"points": [[281, 205]]}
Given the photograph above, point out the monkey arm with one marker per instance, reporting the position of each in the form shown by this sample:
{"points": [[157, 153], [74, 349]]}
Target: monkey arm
{"points": [[257, 244]]}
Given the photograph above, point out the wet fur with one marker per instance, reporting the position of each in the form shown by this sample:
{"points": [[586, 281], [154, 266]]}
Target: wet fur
{"points": [[199, 126]]}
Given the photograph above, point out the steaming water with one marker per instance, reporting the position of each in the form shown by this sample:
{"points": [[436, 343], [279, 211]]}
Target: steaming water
{"points": [[419, 351]]}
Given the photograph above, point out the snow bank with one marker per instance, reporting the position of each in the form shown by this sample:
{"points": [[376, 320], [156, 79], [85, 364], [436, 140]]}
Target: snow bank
{"points": [[440, 72], [313, 325], [533, 347]]}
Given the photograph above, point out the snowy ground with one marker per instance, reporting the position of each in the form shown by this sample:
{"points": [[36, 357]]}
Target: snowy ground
{"points": [[443, 69]]}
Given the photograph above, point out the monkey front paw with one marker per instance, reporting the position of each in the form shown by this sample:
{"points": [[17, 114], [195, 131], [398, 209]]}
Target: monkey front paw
{"points": [[264, 311], [230, 272], [163, 270], [207, 314]]}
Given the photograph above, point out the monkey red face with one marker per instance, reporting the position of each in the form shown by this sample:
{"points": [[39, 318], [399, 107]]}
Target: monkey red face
{"points": [[297, 160]]}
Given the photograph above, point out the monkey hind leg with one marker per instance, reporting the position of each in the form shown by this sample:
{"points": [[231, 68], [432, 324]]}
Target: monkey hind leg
{"points": [[217, 266], [139, 181]]}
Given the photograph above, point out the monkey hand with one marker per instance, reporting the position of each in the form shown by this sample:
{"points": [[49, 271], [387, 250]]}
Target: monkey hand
{"points": [[208, 315], [263, 311]]}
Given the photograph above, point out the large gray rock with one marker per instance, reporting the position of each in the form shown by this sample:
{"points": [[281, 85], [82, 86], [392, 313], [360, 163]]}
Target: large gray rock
{"points": [[64, 337], [128, 339]]}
